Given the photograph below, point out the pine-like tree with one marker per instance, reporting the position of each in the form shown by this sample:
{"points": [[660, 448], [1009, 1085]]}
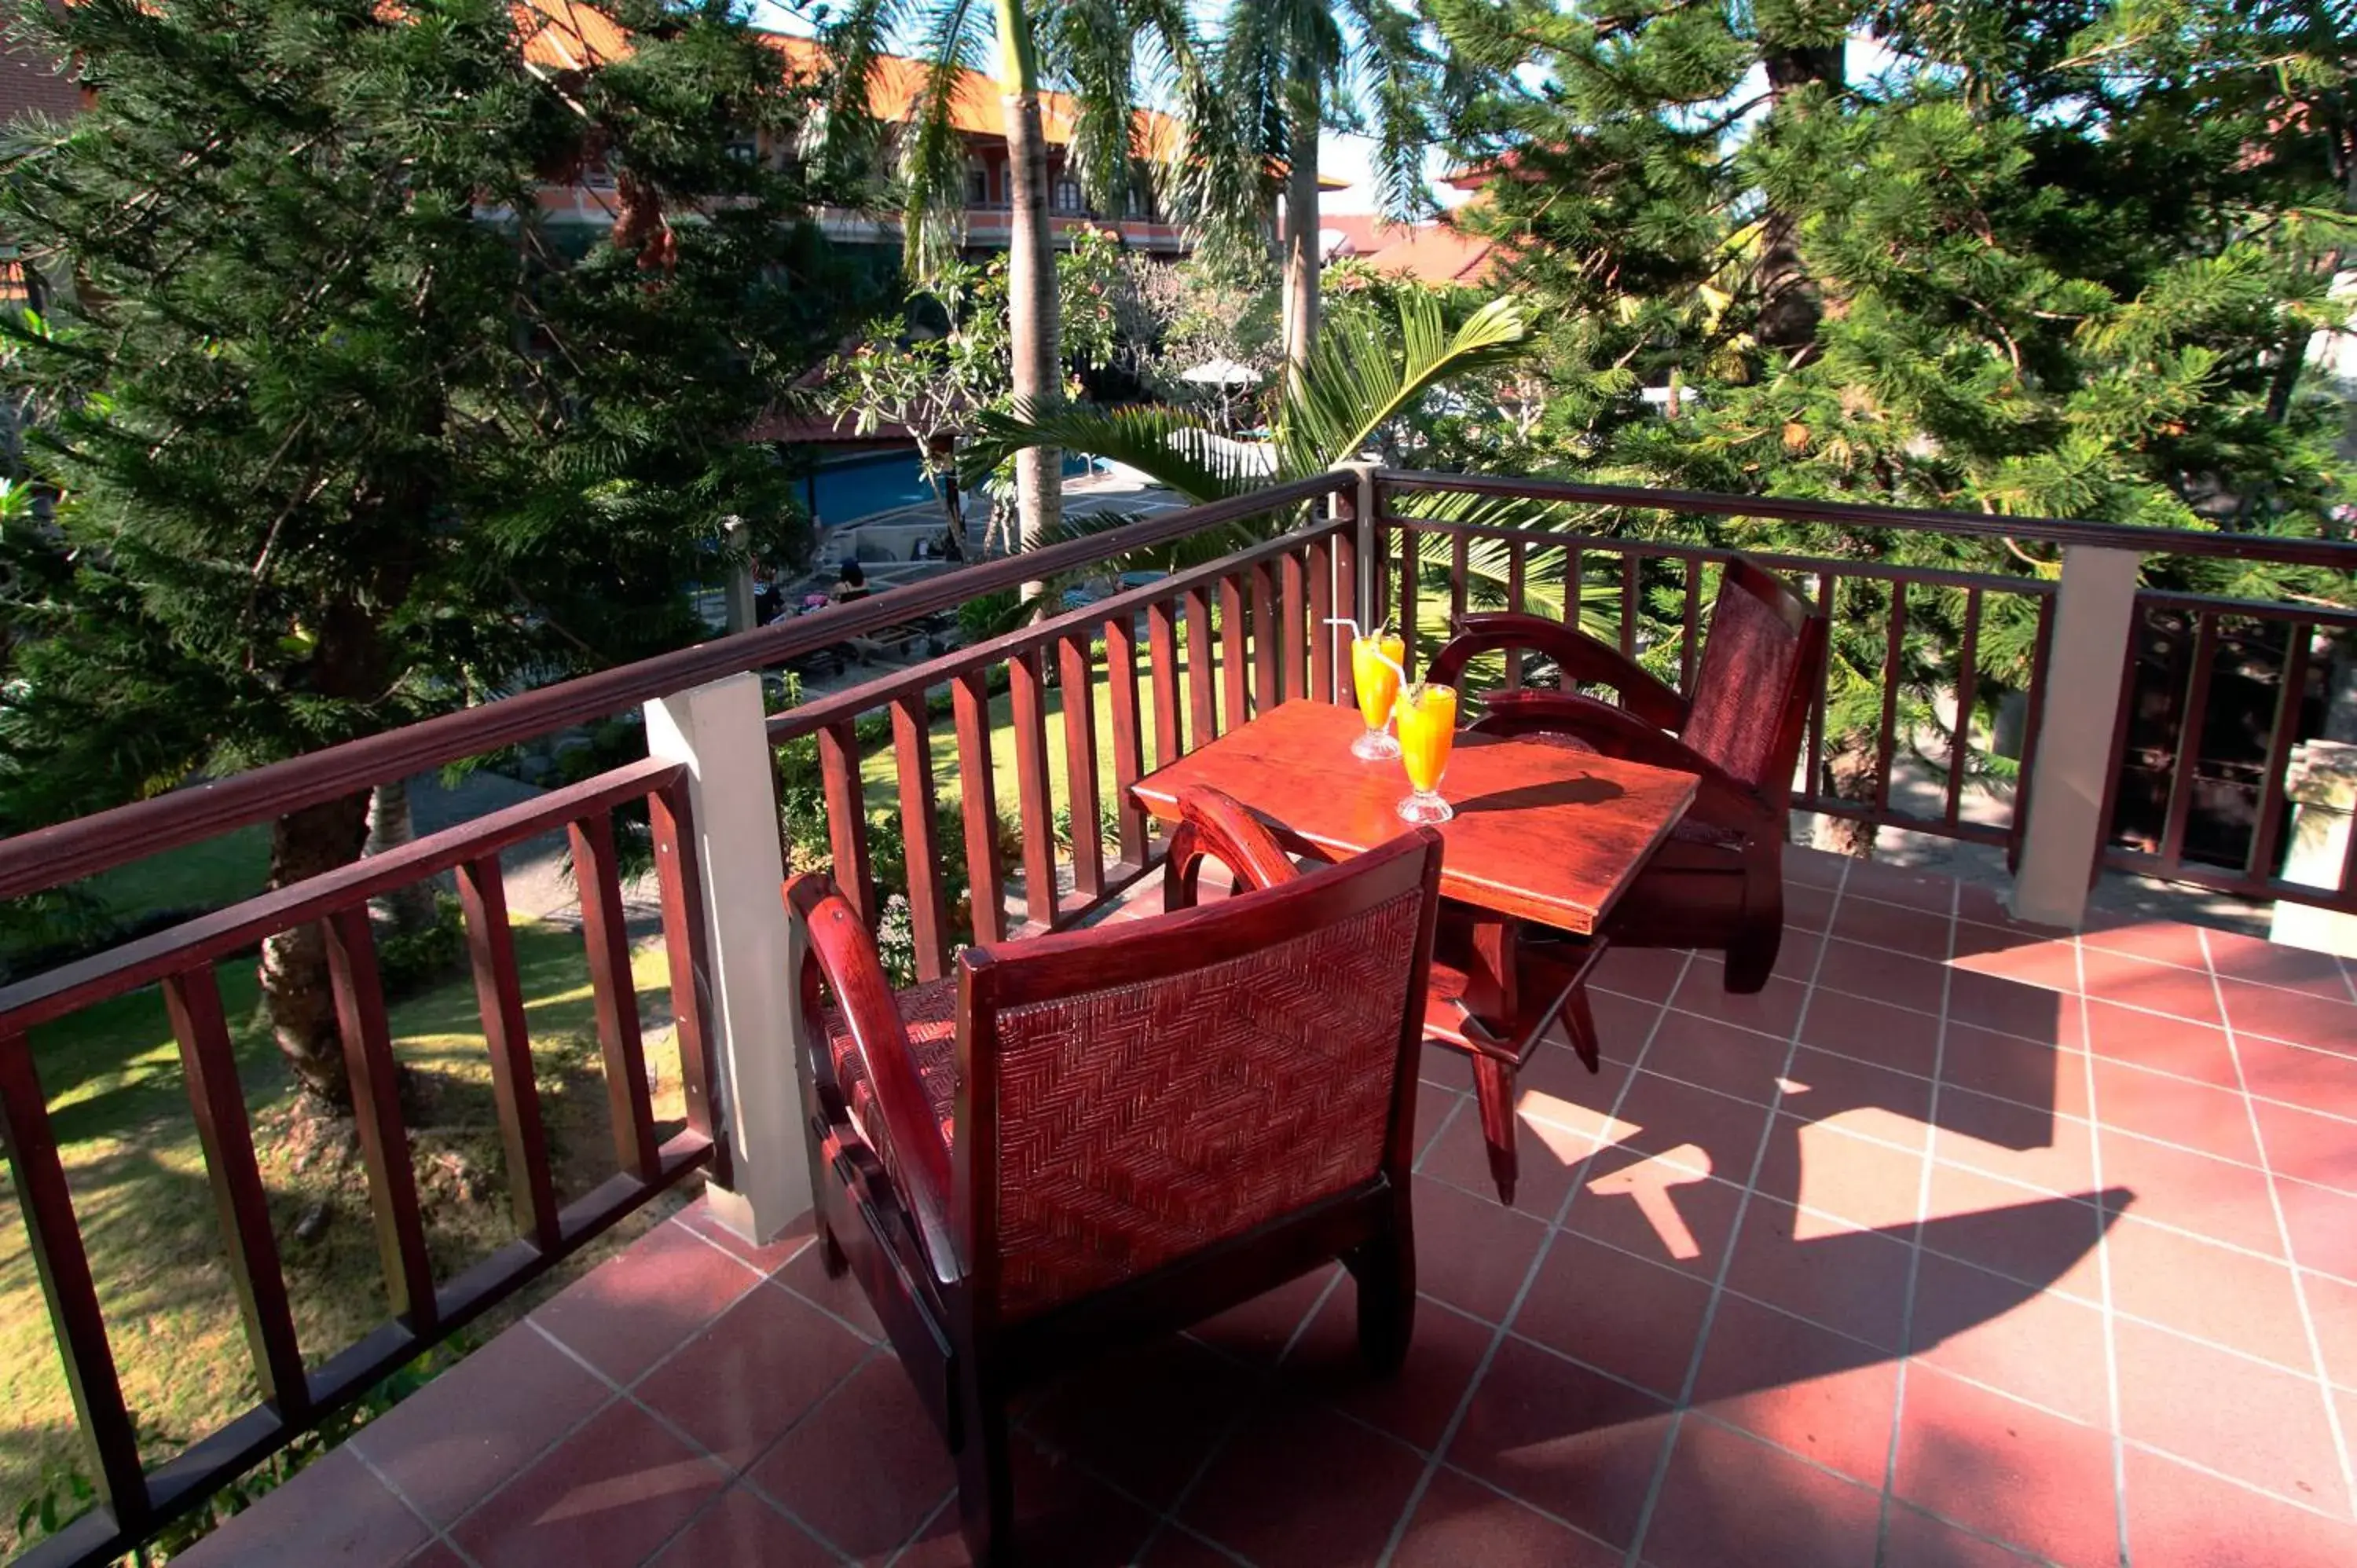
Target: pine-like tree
{"points": [[344, 424], [2044, 260]]}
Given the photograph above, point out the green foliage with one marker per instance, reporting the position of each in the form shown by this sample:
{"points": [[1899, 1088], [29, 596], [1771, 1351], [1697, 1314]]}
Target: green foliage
{"points": [[410, 962], [66, 1492], [2050, 262], [342, 424]]}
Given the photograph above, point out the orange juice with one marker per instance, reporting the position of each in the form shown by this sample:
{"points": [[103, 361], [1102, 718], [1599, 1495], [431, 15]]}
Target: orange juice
{"points": [[1428, 727], [1376, 682]]}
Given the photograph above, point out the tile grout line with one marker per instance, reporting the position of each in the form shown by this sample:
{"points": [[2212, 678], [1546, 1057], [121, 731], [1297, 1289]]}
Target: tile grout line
{"points": [[2299, 1282], [625, 1392], [1166, 1520], [1733, 1239], [436, 1533], [1530, 1277], [1906, 1356], [2108, 1307]]}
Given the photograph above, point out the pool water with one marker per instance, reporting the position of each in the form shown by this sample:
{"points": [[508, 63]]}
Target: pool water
{"points": [[854, 488]]}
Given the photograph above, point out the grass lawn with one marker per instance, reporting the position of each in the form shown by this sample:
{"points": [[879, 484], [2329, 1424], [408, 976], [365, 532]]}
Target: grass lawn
{"points": [[121, 1112]]}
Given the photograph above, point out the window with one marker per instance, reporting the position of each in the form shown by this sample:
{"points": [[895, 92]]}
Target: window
{"points": [[744, 147], [1067, 198], [977, 183], [1141, 202]]}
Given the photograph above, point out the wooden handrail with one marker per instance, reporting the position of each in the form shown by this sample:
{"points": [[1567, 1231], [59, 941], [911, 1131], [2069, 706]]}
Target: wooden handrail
{"points": [[51, 856], [2338, 554]]}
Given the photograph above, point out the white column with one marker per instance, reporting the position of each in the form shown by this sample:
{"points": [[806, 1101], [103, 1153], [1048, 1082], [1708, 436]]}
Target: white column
{"points": [[2094, 623], [751, 946], [1363, 500]]}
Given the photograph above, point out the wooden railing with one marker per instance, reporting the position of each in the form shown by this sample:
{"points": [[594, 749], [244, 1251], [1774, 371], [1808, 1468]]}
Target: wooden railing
{"points": [[1178, 660], [1181, 660], [1865, 589], [136, 1501]]}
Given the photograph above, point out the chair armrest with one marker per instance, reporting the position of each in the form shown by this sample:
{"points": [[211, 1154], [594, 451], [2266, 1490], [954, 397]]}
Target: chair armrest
{"points": [[845, 955], [1720, 797], [1215, 824], [1582, 659]]}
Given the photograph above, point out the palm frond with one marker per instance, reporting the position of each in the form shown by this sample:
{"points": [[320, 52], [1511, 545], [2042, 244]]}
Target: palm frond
{"points": [[933, 154], [1171, 448], [1355, 386], [1091, 45]]}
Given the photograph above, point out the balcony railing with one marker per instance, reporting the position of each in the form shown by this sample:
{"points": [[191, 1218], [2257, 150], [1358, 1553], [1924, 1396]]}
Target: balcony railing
{"points": [[1180, 660]]}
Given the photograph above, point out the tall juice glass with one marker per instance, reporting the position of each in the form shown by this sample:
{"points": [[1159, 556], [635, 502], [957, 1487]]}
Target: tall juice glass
{"points": [[1377, 683], [1427, 729]]}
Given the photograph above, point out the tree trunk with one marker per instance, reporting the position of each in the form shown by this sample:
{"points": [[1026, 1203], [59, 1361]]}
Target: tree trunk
{"points": [[347, 663], [1301, 227], [1789, 305], [295, 982], [1031, 277], [1850, 775], [389, 827]]}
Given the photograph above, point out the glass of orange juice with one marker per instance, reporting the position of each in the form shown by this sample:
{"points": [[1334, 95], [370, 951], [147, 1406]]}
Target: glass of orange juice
{"points": [[1374, 675], [1427, 729]]}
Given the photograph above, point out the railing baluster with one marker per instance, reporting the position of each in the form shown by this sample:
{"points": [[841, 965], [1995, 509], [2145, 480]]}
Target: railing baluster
{"points": [[1235, 695], [1291, 645], [1321, 610], [681, 884], [1514, 602], [2281, 736], [1689, 646], [2041, 651], [1346, 608], [1575, 579], [846, 819], [376, 1115], [1268, 640], [1162, 654], [912, 758], [977, 804], [499, 995], [209, 1063], [1379, 577], [598, 874], [1629, 565], [1128, 738], [1080, 764], [1031, 794], [1960, 743], [1816, 758], [1411, 568], [2185, 769], [1886, 745], [53, 1238], [1458, 546], [1204, 723]]}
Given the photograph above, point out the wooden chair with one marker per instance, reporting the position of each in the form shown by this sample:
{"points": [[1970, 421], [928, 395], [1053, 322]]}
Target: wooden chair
{"points": [[1718, 883], [1090, 1138]]}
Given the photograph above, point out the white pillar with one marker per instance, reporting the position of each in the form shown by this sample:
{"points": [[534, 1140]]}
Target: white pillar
{"points": [[753, 951], [2094, 625], [740, 599]]}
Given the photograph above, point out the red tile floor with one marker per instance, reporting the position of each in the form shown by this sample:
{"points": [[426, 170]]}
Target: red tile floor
{"points": [[1963, 1244]]}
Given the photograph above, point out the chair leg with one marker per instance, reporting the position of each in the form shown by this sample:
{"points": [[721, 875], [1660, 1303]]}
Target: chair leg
{"points": [[1751, 957], [830, 1250], [1579, 1025], [1494, 1087], [1384, 1270], [985, 1482]]}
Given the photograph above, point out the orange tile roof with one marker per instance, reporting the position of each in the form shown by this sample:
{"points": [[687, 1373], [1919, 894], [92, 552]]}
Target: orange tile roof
{"points": [[1436, 253]]}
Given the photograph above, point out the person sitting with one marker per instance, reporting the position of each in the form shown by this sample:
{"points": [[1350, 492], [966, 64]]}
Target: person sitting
{"points": [[850, 584]]}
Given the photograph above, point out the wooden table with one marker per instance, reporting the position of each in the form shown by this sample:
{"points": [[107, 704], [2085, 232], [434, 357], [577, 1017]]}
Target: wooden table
{"points": [[1544, 835]]}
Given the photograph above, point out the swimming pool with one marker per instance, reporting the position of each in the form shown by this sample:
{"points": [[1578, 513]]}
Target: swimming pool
{"points": [[853, 488]]}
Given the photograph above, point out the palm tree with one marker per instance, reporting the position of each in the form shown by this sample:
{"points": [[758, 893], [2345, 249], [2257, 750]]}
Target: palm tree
{"points": [[1282, 69], [1092, 46], [1359, 383]]}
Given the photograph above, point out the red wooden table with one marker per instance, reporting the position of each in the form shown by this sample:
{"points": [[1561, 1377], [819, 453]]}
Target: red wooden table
{"points": [[1544, 836]]}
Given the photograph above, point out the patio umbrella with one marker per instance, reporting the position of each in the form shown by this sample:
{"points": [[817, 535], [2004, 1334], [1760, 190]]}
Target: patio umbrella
{"points": [[1222, 374]]}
